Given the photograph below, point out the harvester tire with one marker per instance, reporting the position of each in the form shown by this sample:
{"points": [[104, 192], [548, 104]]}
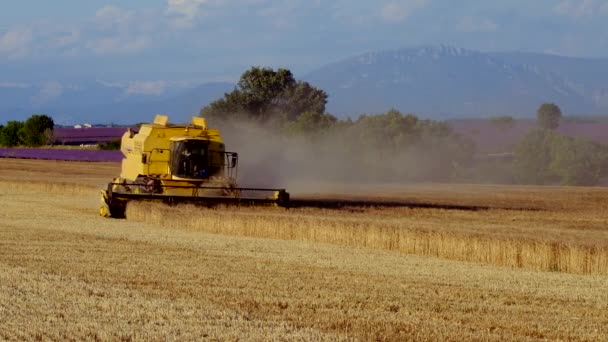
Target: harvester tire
{"points": [[283, 199], [104, 206]]}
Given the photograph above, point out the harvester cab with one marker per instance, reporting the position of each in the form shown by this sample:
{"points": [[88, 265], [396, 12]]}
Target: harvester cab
{"points": [[180, 164]]}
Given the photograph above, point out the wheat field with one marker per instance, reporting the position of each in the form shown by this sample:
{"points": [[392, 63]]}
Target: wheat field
{"points": [[387, 274]]}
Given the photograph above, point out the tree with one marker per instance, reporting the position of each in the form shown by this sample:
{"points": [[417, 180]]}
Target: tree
{"points": [[35, 131], [264, 94], [548, 116], [10, 134], [533, 158], [441, 154], [389, 130], [545, 157], [394, 146], [311, 123], [49, 136], [577, 161]]}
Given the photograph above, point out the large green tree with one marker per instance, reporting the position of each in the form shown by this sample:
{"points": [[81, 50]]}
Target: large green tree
{"points": [[10, 134], [546, 157], [37, 130], [396, 146], [265, 94], [389, 130], [577, 161], [548, 116], [311, 123], [533, 158]]}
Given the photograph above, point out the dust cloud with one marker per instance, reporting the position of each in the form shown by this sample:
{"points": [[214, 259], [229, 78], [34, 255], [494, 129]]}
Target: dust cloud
{"points": [[331, 162]]}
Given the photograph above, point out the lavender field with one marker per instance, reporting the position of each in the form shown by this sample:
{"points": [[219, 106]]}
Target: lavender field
{"points": [[60, 154], [93, 135], [490, 137]]}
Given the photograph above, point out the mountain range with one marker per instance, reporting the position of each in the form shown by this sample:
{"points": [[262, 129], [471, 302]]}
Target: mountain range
{"points": [[452, 82], [431, 81]]}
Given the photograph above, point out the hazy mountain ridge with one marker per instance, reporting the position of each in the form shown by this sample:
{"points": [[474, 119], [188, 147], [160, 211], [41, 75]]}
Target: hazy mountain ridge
{"points": [[452, 82], [431, 81], [586, 75]]}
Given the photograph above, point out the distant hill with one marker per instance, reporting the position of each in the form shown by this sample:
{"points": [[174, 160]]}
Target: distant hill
{"points": [[431, 81], [453, 82], [587, 76]]}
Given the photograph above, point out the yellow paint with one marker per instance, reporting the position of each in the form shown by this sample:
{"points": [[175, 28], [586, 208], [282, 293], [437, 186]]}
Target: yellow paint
{"points": [[199, 122], [147, 152], [161, 120]]}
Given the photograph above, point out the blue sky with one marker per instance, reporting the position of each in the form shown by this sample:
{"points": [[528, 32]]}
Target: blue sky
{"points": [[202, 40]]}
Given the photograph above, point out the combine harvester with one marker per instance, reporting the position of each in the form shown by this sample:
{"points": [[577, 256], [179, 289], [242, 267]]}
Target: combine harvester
{"points": [[180, 164]]}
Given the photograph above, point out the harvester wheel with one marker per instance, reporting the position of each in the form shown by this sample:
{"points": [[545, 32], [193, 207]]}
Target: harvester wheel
{"points": [[104, 206], [109, 207], [283, 199]]}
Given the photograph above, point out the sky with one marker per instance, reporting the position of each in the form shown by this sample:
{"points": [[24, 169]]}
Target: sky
{"points": [[191, 41]]}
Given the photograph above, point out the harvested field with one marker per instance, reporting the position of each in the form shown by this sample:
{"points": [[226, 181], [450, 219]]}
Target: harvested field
{"points": [[63, 154], [299, 274]]}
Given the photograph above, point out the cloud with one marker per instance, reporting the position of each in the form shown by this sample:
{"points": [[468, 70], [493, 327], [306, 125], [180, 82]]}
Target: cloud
{"points": [[185, 13], [49, 91], [282, 15], [146, 88], [117, 45], [581, 8], [157, 88], [472, 24], [399, 11], [16, 43], [63, 40], [14, 85], [117, 31], [112, 17], [110, 31]]}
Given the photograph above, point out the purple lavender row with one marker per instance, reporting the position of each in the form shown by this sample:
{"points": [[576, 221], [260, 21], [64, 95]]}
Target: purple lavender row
{"points": [[94, 135], [65, 155]]}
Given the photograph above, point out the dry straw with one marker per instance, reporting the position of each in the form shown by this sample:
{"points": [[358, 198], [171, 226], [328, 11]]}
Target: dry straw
{"points": [[387, 234], [48, 187]]}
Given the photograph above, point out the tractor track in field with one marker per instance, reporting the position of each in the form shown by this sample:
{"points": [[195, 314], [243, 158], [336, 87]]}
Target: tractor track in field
{"points": [[354, 204]]}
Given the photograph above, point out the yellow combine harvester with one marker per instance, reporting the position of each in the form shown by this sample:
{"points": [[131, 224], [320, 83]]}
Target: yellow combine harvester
{"points": [[180, 164]]}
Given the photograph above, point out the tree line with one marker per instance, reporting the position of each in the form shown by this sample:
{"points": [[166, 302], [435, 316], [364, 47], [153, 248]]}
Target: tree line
{"points": [[544, 156], [37, 130], [397, 146], [390, 146]]}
